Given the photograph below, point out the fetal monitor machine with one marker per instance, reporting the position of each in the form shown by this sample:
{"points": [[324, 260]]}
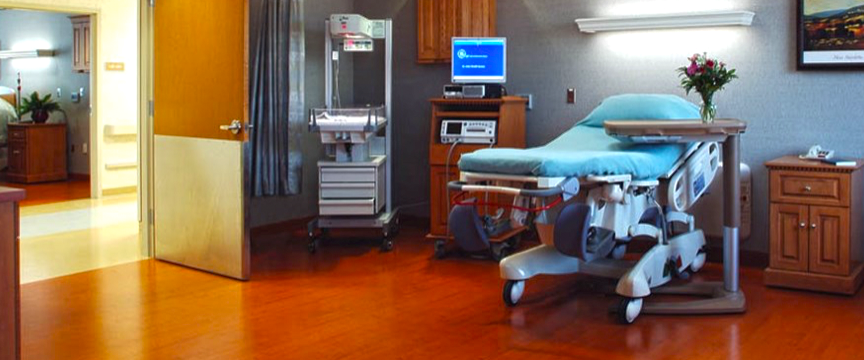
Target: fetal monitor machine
{"points": [[355, 181]]}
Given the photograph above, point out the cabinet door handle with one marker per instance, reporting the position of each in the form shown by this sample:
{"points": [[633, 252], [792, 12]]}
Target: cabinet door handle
{"points": [[15, 152], [803, 225], [813, 226], [807, 188]]}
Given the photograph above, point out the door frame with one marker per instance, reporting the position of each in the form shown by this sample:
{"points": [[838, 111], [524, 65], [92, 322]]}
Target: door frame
{"points": [[95, 14], [145, 129]]}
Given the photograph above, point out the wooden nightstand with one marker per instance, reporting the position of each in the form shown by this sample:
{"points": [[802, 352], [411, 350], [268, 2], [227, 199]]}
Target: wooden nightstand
{"points": [[37, 153], [816, 225]]}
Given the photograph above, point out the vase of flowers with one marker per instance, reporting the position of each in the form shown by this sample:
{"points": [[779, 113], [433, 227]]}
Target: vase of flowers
{"points": [[707, 76]]}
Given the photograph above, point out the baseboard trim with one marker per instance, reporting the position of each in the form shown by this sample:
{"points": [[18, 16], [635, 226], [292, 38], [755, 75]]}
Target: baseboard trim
{"points": [[282, 227], [79, 177], [120, 191]]}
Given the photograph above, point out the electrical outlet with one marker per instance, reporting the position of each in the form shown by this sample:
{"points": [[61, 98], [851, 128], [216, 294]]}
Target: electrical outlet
{"points": [[84, 148], [571, 96]]}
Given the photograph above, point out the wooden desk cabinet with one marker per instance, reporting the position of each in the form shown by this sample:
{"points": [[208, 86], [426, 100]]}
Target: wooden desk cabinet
{"points": [[816, 225], [37, 153], [10, 308], [510, 113]]}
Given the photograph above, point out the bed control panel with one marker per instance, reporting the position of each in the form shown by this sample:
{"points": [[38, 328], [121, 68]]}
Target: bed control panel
{"points": [[468, 131]]}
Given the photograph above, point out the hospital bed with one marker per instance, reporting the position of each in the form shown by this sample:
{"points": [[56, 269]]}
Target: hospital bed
{"points": [[589, 195]]}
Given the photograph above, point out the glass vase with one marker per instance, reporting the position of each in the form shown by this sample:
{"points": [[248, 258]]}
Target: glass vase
{"points": [[708, 111]]}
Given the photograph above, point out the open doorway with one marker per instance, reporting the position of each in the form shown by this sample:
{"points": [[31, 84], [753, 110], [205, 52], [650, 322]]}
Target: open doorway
{"points": [[80, 172]]}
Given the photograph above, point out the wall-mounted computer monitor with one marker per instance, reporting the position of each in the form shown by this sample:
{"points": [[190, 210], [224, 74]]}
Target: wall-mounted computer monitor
{"points": [[479, 61]]}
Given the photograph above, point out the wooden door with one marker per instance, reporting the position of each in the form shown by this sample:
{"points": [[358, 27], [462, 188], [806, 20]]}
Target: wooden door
{"points": [[476, 18], [829, 240], [428, 24], [200, 70], [448, 29], [789, 233]]}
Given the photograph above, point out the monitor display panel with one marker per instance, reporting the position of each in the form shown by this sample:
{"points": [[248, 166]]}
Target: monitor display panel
{"points": [[479, 61]]}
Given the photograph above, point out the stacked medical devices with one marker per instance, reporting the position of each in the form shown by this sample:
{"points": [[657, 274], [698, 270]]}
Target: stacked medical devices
{"points": [[355, 183]]}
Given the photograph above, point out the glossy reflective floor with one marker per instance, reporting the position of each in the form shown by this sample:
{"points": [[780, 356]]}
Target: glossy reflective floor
{"points": [[68, 237], [52, 192], [351, 302]]}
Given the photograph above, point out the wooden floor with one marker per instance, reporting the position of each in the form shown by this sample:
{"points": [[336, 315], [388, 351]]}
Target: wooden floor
{"points": [[350, 301], [51, 192]]}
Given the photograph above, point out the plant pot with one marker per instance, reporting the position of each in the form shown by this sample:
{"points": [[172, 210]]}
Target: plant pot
{"points": [[39, 116]]}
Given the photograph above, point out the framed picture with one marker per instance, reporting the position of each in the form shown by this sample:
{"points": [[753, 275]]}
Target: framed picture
{"points": [[830, 34]]}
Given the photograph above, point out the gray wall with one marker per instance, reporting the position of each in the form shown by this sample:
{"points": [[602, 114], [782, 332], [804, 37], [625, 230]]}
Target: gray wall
{"points": [[276, 209], [787, 110], [56, 29]]}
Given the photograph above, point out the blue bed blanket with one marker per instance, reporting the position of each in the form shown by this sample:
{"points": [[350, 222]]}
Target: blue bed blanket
{"points": [[581, 151]]}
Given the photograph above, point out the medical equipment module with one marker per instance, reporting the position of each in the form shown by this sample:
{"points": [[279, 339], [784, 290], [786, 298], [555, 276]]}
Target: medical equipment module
{"points": [[356, 181], [468, 131]]}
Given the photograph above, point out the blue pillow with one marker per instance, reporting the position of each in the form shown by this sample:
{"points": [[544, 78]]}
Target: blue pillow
{"points": [[641, 107]]}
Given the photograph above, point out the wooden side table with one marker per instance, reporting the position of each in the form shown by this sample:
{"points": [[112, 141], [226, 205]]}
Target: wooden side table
{"points": [[37, 152], [817, 225], [10, 298]]}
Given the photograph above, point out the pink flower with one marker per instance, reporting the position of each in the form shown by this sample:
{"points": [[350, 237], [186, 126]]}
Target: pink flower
{"points": [[709, 63], [722, 64], [691, 70]]}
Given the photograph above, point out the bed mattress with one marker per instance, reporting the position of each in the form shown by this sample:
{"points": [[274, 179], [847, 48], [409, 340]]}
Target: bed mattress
{"points": [[581, 151]]}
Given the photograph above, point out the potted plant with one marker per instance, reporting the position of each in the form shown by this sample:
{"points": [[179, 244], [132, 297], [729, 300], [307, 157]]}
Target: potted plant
{"points": [[38, 107]]}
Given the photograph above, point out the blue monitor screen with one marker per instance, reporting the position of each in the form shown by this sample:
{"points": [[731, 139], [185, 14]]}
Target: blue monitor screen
{"points": [[479, 60]]}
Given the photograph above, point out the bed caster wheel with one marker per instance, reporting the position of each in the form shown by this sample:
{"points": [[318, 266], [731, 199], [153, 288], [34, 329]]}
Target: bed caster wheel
{"points": [[619, 251], [513, 290], [699, 261], [387, 245], [440, 249], [502, 252], [628, 310], [313, 245]]}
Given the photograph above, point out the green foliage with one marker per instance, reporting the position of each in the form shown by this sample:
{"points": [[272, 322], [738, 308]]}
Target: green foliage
{"points": [[36, 103], [706, 76]]}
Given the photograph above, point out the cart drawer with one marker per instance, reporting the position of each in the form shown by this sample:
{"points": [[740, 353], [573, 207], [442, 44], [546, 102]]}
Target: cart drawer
{"points": [[347, 207], [347, 190], [342, 175]]}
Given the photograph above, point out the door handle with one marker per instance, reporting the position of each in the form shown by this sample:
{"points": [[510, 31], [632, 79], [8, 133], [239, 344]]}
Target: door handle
{"points": [[813, 226], [235, 127], [807, 188], [803, 225]]}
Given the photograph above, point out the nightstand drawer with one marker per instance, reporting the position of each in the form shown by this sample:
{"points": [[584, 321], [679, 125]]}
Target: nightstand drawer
{"points": [[16, 160], [810, 188], [17, 134]]}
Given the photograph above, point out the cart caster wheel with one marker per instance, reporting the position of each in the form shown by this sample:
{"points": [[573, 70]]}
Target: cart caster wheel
{"points": [[313, 246], [387, 245], [513, 290], [628, 310], [698, 262], [440, 249], [684, 275]]}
